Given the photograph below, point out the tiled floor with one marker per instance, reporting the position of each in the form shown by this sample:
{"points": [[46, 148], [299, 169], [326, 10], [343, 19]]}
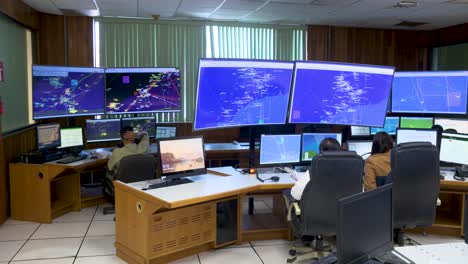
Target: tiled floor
{"points": [[87, 237]]}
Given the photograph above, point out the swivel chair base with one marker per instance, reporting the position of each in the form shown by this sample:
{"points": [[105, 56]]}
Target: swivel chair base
{"points": [[317, 252]]}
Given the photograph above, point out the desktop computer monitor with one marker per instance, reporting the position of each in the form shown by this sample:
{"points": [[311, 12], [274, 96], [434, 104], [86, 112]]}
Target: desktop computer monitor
{"points": [[71, 137], [311, 143], [147, 124], [416, 135], [416, 122], [454, 148], [362, 147], [181, 157], [340, 93], [430, 92], [390, 126], [240, 92], [165, 132], [365, 226], [280, 149], [48, 136], [360, 131], [100, 130], [460, 125]]}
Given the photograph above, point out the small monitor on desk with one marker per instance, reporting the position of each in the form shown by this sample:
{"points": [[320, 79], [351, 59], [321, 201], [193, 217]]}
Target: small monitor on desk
{"points": [[362, 148], [101, 130], [360, 131], [390, 126], [181, 157], [311, 143], [416, 122], [147, 124], [165, 132], [416, 135], [280, 149], [459, 125], [454, 148], [71, 137], [48, 136]]}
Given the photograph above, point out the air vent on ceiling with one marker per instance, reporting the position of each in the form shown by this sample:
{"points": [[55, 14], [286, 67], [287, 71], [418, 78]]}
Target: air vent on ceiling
{"points": [[410, 24], [406, 4], [457, 1]]}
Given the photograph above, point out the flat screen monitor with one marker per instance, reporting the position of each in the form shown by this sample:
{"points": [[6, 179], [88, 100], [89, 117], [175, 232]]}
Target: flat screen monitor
{"points": [[242, 93], [360, 131], [67, 91], [48, 136], [142, 90], [430, 92], [390, 126], [311, 143], [102, 130], [71, 137], [181, 157], [280, 149], [147, 124], [416, 135], [460, 125], [416, 122], [365, 226], [454, 148], [340, 93], [362, 148], [165, 132]]}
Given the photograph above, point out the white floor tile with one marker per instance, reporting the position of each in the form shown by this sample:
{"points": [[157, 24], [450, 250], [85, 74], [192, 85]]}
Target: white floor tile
{"points": [[60, 230], [17, 232], [230, 256], [49, 248], [99, 216], [102, 228], [270, 242], [97, 246], [276, 254], [188, 260], [10, 221], [85, 215], [432, 238], [46, 261], [243, 244], [100, 260], [9, 249]]}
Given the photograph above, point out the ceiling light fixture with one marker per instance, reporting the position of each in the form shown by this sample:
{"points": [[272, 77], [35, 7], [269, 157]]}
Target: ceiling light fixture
{"points": [[405, 4]]}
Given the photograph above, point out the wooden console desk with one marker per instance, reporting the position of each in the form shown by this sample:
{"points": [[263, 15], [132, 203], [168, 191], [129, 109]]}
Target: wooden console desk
{"points": [[161, 225]]}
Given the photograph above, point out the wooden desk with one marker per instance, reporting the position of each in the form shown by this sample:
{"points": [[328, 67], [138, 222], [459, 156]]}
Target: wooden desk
{"points": [[41, 192], [161, 225], [437, 253]]}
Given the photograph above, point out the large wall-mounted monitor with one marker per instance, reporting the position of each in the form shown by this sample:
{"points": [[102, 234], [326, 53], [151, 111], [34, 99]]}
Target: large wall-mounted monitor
{"points": [[430, 92], [59, 91], [165, 132], [142, 90], [71, 137], [48, 136], [311, 143], [280, 149], [416, 122], [182, 157], [390, 126], [242, 93], [102, 130], [147, 124], [416, 135], [339, 93], [454, 148], [460, 125]]}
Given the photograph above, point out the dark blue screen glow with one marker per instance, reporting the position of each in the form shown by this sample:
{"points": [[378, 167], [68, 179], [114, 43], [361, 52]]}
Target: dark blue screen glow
{"points": [[242, 92], [391, 125], [332, 93], [278, 149]]}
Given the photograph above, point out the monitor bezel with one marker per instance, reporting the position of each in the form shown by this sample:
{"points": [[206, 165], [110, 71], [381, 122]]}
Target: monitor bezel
{"points": [[360, 141], [281, 163], [341, 223], [151, 118], [318, 133], [140, 112], [71, 128], [415, 117], [34, 117], [102, 120], [194, 128], [156, 131], [416, 129], [359, 136], [49, 146], [183, 174], [395, 117]]}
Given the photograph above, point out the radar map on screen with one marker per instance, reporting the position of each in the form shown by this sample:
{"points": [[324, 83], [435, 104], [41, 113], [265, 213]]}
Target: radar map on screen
{"points": [[67, 91], [329, 93], [141, 90], [430, 92], [239, 92]]}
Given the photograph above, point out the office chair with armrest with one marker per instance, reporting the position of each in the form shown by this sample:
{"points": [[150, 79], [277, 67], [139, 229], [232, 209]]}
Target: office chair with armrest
{"points": [[133, 168], [333, 175], [415, 174]]}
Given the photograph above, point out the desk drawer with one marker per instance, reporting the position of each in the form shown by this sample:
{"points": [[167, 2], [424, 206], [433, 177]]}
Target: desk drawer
{"points": [[182, 228]]}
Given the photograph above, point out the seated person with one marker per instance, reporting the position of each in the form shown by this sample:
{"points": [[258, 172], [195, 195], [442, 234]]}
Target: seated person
{"points": [[328, 144], [378, 163]]}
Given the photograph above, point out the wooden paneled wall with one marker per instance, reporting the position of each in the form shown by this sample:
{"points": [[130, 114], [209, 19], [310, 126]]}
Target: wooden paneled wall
{"points": [[406, 50], [450, 35], [20, 12]]}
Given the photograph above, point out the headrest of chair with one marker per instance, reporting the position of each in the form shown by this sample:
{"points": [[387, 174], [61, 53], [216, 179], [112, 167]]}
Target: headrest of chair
{"points": [[415, 145], [340, 153]]}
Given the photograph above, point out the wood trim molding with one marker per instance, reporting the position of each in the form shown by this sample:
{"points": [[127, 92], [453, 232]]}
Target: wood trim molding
{"points": [[20, 12]]}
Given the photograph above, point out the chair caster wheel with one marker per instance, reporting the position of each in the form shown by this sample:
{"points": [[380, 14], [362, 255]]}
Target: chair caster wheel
{"points": [[291, 260], [292, 252]]}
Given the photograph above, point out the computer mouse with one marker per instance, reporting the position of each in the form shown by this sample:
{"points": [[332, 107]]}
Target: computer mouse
{"points": [[275, 178]]}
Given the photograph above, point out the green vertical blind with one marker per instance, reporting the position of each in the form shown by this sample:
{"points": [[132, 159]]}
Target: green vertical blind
{"points": [[148, 43]]}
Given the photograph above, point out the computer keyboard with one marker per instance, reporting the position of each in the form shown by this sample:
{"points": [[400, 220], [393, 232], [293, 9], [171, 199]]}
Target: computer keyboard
{"points": [[71, 159], [168, 183], [391, 258]]}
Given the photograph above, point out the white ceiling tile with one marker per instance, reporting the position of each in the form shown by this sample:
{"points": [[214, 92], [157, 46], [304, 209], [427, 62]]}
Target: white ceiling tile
{"points": [[74, 4], [44, 6]]}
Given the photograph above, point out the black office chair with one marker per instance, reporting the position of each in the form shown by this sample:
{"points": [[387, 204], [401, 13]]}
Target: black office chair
{"points": [[415, 174], [333, 175], [133, 168]]}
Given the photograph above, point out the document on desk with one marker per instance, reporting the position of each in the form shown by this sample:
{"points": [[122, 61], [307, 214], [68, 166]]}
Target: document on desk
{"points": [[448, 253]]}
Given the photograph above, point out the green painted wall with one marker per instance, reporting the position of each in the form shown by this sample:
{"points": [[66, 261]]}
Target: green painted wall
{"points": [[453, 57]]}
